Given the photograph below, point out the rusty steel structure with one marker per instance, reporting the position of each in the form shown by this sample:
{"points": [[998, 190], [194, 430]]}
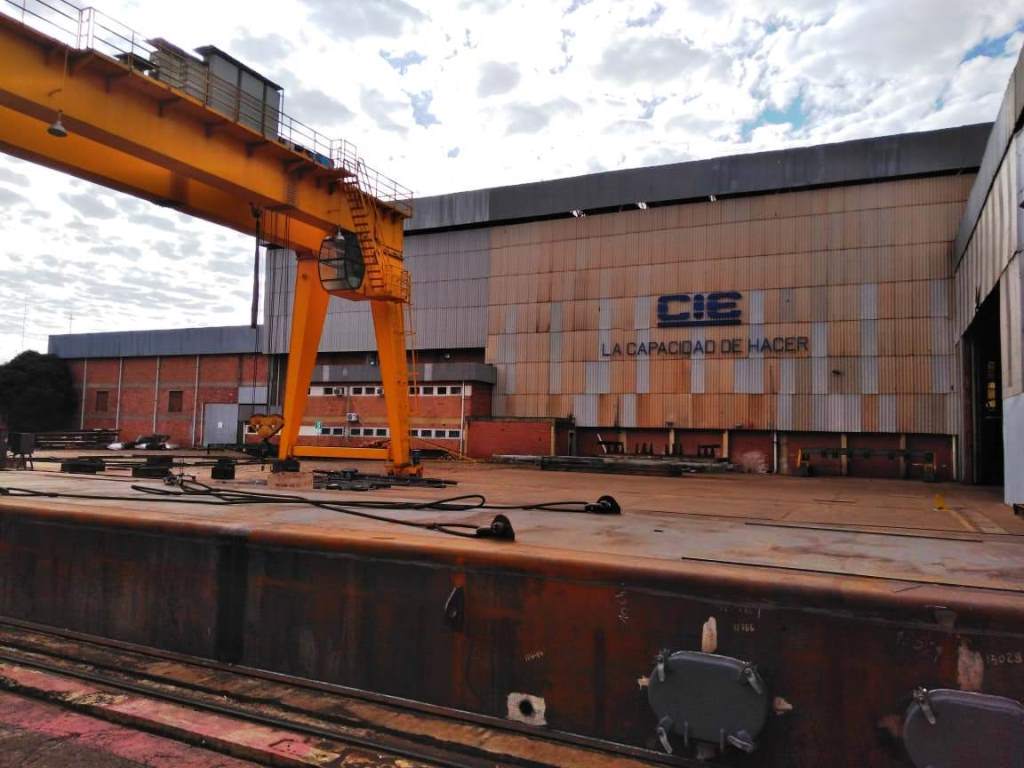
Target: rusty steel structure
{"points": [[561, 632]]}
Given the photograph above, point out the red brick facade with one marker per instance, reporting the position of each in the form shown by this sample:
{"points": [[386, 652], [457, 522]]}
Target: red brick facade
{"points": [[135, 395], [140, 393], [141, 403]]}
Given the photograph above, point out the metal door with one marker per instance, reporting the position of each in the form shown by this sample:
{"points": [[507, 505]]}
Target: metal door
{"points": [[220, 423]]}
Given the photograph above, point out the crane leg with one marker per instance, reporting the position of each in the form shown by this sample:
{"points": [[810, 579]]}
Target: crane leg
{"points": [[308, 315], [390, 329]]}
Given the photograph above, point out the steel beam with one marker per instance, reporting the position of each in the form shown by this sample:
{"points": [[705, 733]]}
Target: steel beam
{"points": [[127, 116]]}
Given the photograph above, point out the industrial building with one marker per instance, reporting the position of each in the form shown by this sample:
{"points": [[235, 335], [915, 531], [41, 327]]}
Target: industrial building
{"points": [[845, 309], [749, 307]]}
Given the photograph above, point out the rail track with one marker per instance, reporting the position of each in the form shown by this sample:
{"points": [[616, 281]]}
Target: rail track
{"points": [[133, 685]]}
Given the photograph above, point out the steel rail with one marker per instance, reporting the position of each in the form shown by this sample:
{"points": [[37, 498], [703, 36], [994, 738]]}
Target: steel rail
{"points": [[411, 706], [236, 712]]}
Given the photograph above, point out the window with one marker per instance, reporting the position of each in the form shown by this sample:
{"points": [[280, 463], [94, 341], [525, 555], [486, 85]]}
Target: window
{"points": [[456, 433], [102, 400], [174, 401], [357, 390], [328, 390], [381, 432], [426, 433], [412, 390], [427, 390], [455, 390], [442, 390], [338, 431]]}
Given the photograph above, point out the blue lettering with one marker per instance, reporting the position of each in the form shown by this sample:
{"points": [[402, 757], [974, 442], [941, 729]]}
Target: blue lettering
{"points": [[679, 310]]}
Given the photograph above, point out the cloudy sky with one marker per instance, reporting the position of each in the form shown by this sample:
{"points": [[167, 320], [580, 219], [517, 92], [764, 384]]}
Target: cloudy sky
{"points": [[450, 95]]}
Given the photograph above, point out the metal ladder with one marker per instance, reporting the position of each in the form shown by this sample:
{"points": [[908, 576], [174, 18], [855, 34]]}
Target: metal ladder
{"points": [[364, 220]]}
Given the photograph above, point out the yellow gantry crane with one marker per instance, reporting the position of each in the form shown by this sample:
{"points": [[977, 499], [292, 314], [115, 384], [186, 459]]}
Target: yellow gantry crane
{"points": [[83, 94]]}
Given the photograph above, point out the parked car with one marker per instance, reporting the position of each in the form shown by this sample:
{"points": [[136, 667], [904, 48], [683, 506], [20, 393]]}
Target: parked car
{"points": [[145, 443]]}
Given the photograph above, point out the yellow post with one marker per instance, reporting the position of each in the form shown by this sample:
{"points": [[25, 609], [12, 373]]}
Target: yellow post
{"points": [[394, 374], [308, 314]]}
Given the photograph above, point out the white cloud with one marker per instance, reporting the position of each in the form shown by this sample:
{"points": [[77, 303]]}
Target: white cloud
{"points": [[497, 78], [461, 94]]}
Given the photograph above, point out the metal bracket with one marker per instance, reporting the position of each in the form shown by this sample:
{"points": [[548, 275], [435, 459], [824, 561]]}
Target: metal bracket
{"points": [[455, 608], [751, 678], [921, 697], [664, 726]]}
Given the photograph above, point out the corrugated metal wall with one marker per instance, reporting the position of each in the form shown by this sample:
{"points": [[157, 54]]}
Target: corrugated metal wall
{"points": [[991, 261], [862, 271], [994, 240], [449, 277]]}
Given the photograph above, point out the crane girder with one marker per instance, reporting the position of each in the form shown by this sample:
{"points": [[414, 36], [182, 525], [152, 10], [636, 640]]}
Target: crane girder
{"points": [[132, 132], [24, 137], [129, 111]]}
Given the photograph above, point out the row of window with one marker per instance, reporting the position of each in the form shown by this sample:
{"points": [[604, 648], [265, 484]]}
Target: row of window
{"points": [[436, 433], [357, 431], [175, 396], [427, 390], [310, 430]]}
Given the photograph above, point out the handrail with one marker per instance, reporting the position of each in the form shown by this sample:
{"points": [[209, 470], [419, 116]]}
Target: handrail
{"points": [[88, 29]]}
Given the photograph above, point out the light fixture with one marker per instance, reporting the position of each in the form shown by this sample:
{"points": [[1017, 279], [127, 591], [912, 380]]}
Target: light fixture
{"points": [[712, 198], [57, 128], [642, 205], [577, 213]]}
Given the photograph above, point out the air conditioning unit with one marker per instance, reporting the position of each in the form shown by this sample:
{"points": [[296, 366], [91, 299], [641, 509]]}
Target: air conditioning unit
{"points": [[351, 417]]}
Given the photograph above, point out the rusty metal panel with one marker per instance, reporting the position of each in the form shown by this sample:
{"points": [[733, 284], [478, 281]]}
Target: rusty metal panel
{"points": [[839, 279], [993, 242], [748, 375]]}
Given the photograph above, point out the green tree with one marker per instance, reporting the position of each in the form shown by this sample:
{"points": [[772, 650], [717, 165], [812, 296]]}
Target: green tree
{"points": [[36, 393]]}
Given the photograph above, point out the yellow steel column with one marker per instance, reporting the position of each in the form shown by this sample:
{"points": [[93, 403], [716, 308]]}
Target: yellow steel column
{"points": [[394, 373], [308, 314]]}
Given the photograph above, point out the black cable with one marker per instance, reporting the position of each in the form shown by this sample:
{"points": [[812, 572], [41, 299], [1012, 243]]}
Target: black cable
{"points": [[194, 492]]}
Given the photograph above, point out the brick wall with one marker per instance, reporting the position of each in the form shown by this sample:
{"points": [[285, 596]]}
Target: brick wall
{"points": [[143, 402], [143, 405], [488, 437]]}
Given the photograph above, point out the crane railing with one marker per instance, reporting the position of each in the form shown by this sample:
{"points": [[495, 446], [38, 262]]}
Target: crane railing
{"points": [[85, 28]]}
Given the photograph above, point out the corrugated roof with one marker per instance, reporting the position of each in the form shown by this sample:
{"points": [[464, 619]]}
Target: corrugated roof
{"points": [[909, 154], [226, 339]]}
